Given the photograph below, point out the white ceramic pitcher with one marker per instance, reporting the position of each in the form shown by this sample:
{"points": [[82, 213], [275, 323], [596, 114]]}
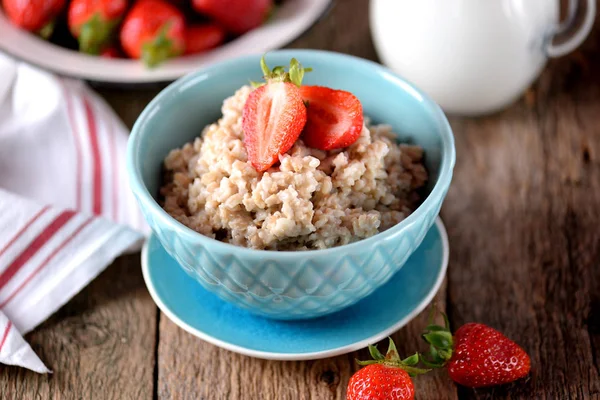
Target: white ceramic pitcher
{"points": [[473, 56]]}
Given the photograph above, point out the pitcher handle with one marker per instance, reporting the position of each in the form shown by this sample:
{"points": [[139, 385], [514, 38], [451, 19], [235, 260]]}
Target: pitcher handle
{"points": [[579, 36]]}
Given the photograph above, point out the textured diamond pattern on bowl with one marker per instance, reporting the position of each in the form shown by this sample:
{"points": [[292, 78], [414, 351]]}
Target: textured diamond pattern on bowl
{"points": [[311, 288], [302, 284]]}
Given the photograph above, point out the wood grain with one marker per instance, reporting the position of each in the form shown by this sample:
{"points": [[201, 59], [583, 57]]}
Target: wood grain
{"points": [[100, 344], [206, 372], [522, 216], [524, 238]]}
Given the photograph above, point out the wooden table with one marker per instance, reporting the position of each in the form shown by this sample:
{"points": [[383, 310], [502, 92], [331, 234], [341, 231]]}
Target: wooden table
{"points": [[523, 217]]}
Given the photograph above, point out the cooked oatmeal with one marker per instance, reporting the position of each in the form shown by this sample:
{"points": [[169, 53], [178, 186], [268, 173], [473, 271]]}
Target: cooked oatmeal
{"points": [[312, 200]]}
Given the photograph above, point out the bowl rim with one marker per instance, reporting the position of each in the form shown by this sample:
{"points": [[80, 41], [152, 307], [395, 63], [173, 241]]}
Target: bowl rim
{"points": [[141, 192]]}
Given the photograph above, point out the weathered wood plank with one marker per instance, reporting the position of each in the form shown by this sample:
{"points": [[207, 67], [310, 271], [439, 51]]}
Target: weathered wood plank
{"points": [[345, 29], [203, 371], [192, 369], [523, 218], [435, 385], [100, 344]]}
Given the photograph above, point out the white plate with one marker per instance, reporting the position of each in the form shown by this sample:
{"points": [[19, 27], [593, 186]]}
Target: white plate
{"points": [[292, 19]]}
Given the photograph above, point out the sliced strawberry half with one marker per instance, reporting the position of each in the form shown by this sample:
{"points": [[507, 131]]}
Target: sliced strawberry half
{"points": [[274, 115], [272, 120], [335, 118]]}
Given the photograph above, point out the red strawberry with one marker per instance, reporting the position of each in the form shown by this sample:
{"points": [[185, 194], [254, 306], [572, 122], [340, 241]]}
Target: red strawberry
{"points": [[111, 52], [33, 15], [153, 30], [379, 381], [384, 378], [335, 118], [274, 115], [199, 38], [92, 22], [477, 355], [237, 16]]}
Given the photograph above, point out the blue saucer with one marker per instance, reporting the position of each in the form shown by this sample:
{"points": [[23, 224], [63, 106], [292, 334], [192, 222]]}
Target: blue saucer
{"points": [[204, 315]]}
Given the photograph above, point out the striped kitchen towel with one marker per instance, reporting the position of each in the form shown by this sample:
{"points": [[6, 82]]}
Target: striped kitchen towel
{"points": [[66, 211]]}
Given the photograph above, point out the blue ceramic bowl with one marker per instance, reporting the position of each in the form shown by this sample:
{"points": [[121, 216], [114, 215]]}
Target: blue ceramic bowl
{"points": [[280, 284]]}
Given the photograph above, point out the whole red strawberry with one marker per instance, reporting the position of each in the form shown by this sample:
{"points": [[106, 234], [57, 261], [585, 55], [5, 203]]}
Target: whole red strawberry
{"points": [[385, 377], [274, 115], [477, 355], [33, 15], [153, 30], [202, 37], [237, 16], [379, 381], [92, 22], [334, 119]]}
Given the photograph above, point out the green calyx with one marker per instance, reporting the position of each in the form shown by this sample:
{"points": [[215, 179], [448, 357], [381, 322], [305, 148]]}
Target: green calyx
{"points": [[271, 13], [47, 30], [159, 49], [295, 73], [440, 342], [95, 33], [392, 359]]}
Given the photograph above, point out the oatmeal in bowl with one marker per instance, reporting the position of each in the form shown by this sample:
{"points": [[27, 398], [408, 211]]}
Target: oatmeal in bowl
{"points": [[286, 200], [311, 198]]}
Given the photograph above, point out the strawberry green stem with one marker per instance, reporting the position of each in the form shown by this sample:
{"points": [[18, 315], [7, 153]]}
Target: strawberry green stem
{"points": [[94, 34], [47, 30], [392, 359], [158, 50], [271, 13], [294, 75], [441, 343]]}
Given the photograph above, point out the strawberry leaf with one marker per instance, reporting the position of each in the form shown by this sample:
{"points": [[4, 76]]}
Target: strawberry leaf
{"points": [[433, 352], [160, 49], [412, 360], [278, 70], [294, 75], [444, 354], [434, 328], [392, 352], [413, 371], [47, 30], [94, 33], [440, 339], [392, 360], [430, 364], [368, 362], [375, 353], [263, 66]]}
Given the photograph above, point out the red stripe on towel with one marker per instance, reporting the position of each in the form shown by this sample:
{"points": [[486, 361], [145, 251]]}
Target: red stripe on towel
{"points": [[47, 260], [5, 335], [23, 229], [34, 246], [96, 158], [114, 163], [77, 141]]}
